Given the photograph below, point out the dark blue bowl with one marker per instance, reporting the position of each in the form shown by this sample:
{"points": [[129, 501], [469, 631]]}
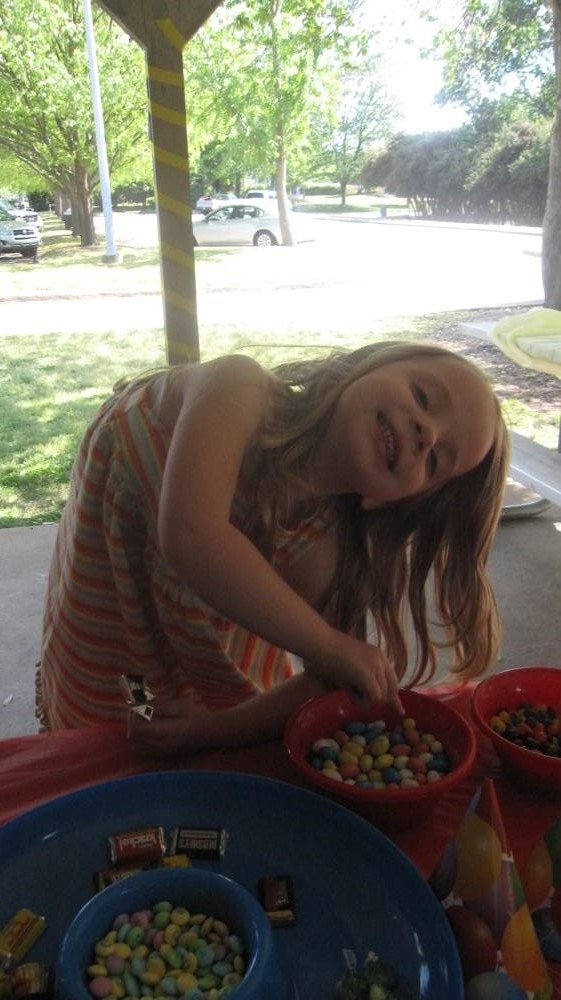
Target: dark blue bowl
{"points": [[353, 888], [197, 890]]}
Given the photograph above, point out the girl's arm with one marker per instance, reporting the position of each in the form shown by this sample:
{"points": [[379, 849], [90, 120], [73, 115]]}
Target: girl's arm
{"points": [[224, 403], [186, 725]]}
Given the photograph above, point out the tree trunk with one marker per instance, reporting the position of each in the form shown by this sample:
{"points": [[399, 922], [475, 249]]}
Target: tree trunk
{"points": [[280, 170], [343, 191], [551, 243], [82, 209], [282, 200]]}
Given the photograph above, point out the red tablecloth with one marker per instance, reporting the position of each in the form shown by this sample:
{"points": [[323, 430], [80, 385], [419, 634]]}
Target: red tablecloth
{"points": [[34, 769]]}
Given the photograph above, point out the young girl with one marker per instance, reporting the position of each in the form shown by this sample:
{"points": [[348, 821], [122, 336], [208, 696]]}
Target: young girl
{"points": [[221, 515]]}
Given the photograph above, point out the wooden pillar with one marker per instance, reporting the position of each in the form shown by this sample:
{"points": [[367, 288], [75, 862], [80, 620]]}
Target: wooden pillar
{"points": [[166, 93], [163, 27]]}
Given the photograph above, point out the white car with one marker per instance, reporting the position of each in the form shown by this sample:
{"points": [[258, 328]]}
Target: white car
{"points": [[23, 214], [242, 222], [261, 193], [17, 236], [207, 202]]}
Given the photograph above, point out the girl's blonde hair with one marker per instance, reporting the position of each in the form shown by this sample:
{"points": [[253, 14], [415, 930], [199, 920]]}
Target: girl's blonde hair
{"points": [[385, 556]]}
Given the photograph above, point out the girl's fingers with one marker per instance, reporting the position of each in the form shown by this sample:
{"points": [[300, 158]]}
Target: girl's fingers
{"points": [[397, 703]]}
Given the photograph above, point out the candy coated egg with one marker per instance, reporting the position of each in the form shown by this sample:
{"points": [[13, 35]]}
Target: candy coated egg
{"points": [[100, 987], [391, 775], [379, 746], [115, 964], [355, 727], [325, 744], [382, 761], [334, 775], [349, 770], [141, 918]]}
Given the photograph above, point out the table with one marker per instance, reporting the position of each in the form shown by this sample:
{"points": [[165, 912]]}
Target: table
{"points": [[34, 769], [533, 340]]}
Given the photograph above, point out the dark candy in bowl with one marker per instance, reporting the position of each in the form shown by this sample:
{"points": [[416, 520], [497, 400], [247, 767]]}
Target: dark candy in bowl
{"points": [[535, 688], [389, 808]]}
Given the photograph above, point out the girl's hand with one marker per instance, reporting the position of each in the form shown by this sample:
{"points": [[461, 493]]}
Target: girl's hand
{"points": [[178, 725], [360, 668]]}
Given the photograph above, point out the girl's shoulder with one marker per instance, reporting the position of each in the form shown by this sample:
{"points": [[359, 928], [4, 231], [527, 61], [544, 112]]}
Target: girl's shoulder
{"points": [[225, 376], [230, 370]]}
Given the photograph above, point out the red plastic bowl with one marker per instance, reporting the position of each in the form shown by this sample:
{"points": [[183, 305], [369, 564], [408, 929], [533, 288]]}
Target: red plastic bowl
{"points": [[532, 770], [390, 809]]}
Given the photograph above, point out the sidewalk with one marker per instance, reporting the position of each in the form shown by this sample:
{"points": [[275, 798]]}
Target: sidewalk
{"points": [[524, 569]]}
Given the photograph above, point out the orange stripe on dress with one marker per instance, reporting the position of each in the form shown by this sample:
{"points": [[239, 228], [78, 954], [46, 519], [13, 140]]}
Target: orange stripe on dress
{"points": [[137, 432], [247, 656], [268, 667]]}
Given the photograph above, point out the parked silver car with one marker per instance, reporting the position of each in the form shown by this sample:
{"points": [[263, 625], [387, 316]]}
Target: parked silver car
{"points": [[240, 223], [23, 214], [17, 236]]}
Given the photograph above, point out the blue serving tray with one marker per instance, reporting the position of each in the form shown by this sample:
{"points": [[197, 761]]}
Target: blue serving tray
{"points": [[353, 888]]}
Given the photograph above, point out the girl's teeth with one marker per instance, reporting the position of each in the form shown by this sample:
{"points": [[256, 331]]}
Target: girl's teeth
{"points": [[389, 440]]}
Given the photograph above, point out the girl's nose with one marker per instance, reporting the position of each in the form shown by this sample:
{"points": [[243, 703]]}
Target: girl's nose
{"points": [[425, 436]]}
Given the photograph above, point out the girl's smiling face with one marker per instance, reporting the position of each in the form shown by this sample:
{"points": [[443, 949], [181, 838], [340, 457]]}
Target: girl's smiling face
{"points": [[404, 428]]}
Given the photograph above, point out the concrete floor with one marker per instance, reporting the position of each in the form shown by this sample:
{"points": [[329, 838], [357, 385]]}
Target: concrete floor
{"points": [[525, 569]]}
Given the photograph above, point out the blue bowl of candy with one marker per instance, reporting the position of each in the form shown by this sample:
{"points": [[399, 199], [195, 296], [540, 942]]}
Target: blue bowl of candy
{"points": [[180, 932]]}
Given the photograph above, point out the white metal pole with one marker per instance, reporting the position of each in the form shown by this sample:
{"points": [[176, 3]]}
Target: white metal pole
{"points": [[111, 254]]}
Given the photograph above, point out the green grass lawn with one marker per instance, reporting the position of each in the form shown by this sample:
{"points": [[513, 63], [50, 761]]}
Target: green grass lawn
{"points": [[51, 385]]}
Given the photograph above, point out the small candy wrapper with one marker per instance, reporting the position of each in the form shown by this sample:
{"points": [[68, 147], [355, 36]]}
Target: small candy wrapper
{"points": [[137, 695], [478, 883], [18, 936], [32, 981], [541, 880]]}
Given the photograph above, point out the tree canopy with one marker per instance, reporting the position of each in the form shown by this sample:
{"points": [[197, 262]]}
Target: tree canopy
{"points": [[46, 117], [502, 47]]}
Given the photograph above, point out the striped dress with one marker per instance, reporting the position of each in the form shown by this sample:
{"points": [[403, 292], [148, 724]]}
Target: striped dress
{"points": [[113, 605]]}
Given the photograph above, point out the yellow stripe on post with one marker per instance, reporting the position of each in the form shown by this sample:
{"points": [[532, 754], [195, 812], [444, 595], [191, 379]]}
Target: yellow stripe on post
{"points": [[167, 114], [180, 302], [180, 352], [171, 159], [171, 33], [174, 206], [166, 76], [178, 256]]}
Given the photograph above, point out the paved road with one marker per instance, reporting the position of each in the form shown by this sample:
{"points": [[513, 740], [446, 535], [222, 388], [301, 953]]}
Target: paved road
{"points": [[353, 274]]}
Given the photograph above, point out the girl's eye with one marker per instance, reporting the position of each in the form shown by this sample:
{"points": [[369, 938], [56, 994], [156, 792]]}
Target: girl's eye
{"points": [[420, 396], [433, 462]]}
